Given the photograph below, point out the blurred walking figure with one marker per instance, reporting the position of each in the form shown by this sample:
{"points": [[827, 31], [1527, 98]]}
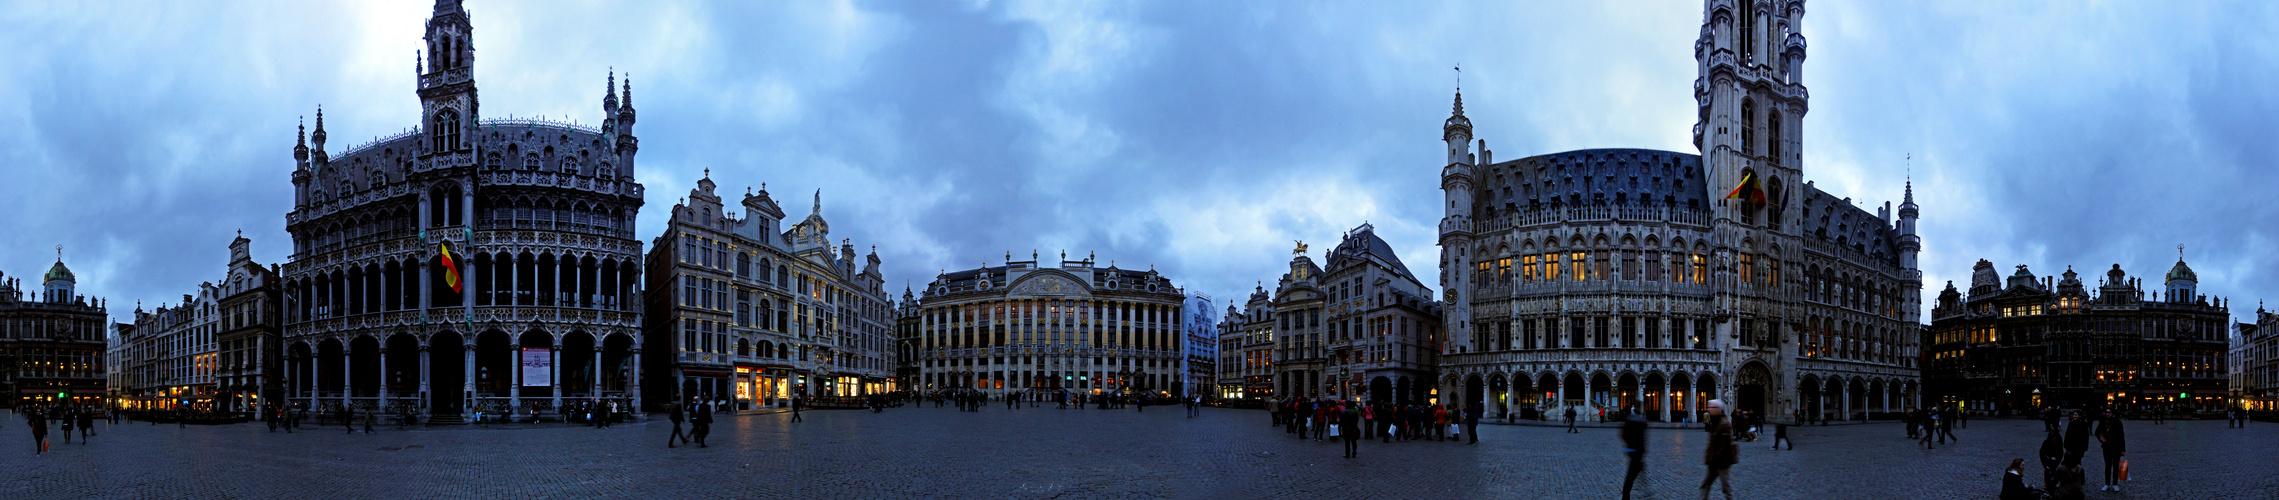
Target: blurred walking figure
{"points": [[1634, 446], [1721, 454]]}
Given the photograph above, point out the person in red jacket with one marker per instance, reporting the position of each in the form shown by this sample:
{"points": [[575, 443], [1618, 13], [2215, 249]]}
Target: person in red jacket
{"points": [[1439, 423]]}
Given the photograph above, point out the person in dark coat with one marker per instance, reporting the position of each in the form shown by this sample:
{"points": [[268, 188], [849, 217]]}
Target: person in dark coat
{"points": [[2076, 440], [2114, 442], [39, 432], [1633, 446], [1349, 428], [2053, 453], [1571, 420], [1720, 455], [2014, 482], [67, 420], [675, 413], [701, 424], [799, 404], [86, 425], [1472, 421]]}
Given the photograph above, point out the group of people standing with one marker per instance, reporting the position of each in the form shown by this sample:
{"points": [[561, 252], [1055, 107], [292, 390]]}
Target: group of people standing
{"points": [[1356, 420], [68, 417], [2062, 452]]}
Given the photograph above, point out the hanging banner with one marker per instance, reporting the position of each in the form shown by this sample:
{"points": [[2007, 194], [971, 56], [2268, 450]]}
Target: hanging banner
{"points": [[535, 367]]}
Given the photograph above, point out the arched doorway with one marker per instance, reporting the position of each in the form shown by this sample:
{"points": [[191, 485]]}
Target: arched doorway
{"points": [[400, 369], [364, 371], [1499, 396], [447, 374], [579, 364], [1473, 389], [1705, 389], [1753, 383], [1626, 392], [1808, 398], [1572, 393], [1381, 390]]}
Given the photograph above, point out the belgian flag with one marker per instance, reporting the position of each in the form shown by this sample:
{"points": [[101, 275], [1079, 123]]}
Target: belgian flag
{"points": [[1748, 191], [450, 267]]}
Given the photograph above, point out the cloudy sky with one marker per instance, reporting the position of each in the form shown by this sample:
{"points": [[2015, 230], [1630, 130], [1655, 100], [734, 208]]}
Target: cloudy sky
{"points": [[1200, 138]]}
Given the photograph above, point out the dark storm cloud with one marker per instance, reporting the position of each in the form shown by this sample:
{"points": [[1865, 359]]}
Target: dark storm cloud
{"points": [[1196, 137]]}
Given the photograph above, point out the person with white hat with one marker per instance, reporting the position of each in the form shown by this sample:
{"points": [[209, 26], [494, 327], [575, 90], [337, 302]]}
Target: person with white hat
{"points": [[1721, 453]]}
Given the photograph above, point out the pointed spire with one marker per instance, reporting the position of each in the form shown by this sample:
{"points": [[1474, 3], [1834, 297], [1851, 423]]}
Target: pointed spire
{"points": [[1459, 102], [318, 136], [609, 95], [627, 101], [418, 67]]}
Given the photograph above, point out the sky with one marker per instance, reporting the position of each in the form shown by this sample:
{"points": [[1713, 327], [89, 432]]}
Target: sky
{"points": [[1198, 138]]}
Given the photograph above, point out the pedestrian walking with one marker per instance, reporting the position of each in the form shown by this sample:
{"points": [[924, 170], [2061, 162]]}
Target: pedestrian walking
{"points": [[1947, 426], [1922, 418], [371, 416], [1472, 422], [673, 410], [2111, 439], [1780, 435], [798, 403], [1634, 447], [347, 419], [39, 431], [1349, 421], [1571, 421], [66, 428], [1721, 453], [2049, 419], [701, 424], [270, 415], [86, 425]]}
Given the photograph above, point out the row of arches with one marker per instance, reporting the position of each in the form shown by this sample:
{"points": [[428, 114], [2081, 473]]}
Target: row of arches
{"points": [[518, 279], [446, 374], [1663, 397], [1855, 398]]}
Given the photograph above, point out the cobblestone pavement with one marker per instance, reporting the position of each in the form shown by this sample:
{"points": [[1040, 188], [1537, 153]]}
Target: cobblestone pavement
{"points": [[1049, 453]]}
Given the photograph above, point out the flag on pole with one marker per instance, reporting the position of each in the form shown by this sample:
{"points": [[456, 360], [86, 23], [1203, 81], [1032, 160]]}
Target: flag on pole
{"points": [[450, 267], [1748, 190]]}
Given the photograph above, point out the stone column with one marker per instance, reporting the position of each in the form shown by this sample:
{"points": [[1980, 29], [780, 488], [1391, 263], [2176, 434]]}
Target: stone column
{"points": [[425, 374], [1665, 401], [554, 373], [381, 361], [347, 373], [467, 379], [595, 389], [633, 383], [514, 372], [1845, 403]]}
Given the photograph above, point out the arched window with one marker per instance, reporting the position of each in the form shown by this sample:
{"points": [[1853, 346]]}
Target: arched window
{"points": [[1773, 138], [530, 161], [443, 206], [570, 165], [446, 130], [1748, 127]]}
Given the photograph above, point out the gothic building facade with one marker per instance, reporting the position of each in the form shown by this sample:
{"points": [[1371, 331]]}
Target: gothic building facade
{"points": [[51, 342], [745, 310], [1613, 278], [470, 264], [1075, 328], [2020, 344]]}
